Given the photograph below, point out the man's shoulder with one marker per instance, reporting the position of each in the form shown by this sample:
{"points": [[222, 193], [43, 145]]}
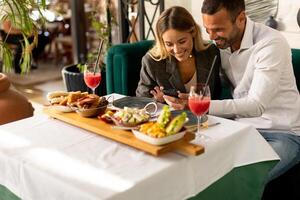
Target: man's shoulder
{"points": [[266, 35]]}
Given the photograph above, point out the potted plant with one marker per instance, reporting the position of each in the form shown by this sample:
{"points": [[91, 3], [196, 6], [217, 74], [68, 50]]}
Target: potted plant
{"points": [[16, 14], [100, 29], [74, 81]]}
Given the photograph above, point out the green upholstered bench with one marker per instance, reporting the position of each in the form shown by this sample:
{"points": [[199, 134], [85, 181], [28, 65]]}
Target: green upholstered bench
{"points": [[123, 64], [296, 65], [287, 185]]}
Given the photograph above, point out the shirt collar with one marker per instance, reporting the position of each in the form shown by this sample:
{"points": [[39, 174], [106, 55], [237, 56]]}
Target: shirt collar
{"points": [[247, 40]]}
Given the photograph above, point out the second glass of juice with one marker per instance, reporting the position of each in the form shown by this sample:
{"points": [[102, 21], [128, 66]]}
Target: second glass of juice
{"points": [[199, 101]]}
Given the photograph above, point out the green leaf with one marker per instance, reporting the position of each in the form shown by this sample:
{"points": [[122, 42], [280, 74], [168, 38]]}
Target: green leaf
{"points": [[18, 13], [7, 58], [81, 67]]}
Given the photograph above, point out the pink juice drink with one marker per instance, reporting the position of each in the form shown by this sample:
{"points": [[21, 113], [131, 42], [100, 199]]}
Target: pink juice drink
{"points": [[92, 80], [199, 106]]}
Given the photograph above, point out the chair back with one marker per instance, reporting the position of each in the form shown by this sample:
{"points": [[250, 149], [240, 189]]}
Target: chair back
{"points": [[123, 65], [296, 65]]}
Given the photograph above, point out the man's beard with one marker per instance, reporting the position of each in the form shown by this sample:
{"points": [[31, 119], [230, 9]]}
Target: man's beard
{"points": [[224, 43]]}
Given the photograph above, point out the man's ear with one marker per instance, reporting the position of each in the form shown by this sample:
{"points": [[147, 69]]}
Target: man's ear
{"points": [[241, 19]]}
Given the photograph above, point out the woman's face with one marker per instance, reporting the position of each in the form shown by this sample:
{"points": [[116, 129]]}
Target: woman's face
{"points": [[178, 44]]}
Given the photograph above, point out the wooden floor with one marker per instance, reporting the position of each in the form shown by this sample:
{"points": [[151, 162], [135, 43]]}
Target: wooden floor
{"points": [[36, 91]]}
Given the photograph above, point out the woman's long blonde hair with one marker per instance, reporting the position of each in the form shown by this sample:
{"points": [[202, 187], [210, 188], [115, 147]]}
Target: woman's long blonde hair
{"points": [[177, 18]]}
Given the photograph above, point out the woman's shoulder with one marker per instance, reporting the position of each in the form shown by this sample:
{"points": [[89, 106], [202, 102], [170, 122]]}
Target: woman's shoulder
{"points": [[149, 59]]}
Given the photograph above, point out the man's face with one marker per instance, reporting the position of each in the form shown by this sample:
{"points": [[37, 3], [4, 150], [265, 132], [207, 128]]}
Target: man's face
{"points": [[222, 30]]}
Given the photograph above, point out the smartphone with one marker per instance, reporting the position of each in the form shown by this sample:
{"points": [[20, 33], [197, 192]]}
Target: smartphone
{"points": [[170, 92]]}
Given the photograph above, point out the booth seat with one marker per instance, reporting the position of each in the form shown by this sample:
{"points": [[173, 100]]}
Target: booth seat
{"points": [[296, 65], [287, 185], [123, 66]]}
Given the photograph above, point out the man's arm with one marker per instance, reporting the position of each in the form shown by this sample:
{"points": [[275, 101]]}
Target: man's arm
{"points": [[270, 61]]}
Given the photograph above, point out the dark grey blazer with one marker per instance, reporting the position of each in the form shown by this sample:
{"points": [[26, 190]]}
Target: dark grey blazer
{"points": [[165, 73]]}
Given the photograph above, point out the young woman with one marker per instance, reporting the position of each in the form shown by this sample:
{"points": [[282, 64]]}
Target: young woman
{"points": [[178, 59]]}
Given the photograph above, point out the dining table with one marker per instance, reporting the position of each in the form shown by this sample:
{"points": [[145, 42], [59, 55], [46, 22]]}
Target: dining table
{"points": [[45, 158]]}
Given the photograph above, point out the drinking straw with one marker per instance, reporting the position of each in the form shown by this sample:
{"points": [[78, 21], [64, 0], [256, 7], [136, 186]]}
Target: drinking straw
{"points": [[98, 56], [210, 71]]}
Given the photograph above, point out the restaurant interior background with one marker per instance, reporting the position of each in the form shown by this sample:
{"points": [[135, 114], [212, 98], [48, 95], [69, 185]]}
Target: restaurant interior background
{"points": [[68, 33], [73, 37]]}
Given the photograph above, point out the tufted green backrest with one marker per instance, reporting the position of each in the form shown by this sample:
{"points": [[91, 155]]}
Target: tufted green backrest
{"points": [[296, 65], [123, 64]]}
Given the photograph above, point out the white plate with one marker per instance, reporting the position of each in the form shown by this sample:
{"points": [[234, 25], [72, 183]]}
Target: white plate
{"points": [[64, 109], [158, 141]]}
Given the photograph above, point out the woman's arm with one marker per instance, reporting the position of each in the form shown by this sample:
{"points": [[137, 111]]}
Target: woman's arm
{"points": [[147, 79]]}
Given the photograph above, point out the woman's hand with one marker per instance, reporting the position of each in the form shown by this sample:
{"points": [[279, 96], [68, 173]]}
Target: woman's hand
{"points": [[184, 96], [179, 103], [158, 94]]}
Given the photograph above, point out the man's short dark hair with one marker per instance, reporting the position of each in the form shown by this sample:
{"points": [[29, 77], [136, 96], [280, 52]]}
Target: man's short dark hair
{"points": [[234, 7]]}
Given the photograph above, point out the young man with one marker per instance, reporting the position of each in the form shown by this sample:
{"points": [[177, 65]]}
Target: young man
{"points": [[257, 61]]}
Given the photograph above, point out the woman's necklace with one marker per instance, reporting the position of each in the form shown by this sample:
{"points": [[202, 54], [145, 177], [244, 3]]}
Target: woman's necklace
{"points": [[187, 69]]}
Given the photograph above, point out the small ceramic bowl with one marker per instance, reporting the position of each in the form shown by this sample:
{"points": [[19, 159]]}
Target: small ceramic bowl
{"points": [[92, 112]]}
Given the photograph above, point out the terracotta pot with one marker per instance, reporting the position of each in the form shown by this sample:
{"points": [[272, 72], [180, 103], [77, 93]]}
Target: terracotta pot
{"points": [[13, 105], [4, 83]]}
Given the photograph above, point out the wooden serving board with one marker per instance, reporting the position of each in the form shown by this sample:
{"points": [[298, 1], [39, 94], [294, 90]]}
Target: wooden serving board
{"points": [[126, 137]]}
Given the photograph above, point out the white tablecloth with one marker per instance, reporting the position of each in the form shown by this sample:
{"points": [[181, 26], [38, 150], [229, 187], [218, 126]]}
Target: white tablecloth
{"points": [[44, 158]]}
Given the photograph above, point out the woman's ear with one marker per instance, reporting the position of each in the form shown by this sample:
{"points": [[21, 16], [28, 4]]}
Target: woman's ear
{"points": [[193, 32]]}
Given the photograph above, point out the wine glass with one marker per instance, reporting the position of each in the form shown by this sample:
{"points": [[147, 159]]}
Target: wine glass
{"points": [[92, 76], [199, 101]]}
